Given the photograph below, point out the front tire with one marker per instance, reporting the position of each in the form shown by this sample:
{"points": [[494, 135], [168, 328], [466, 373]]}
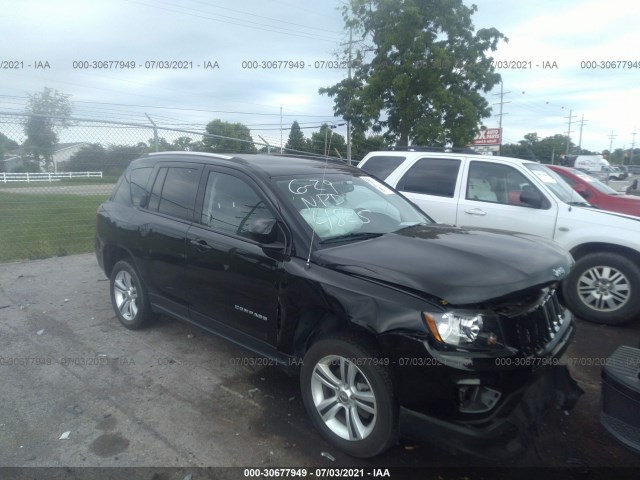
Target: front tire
{"points": [[348, 393], [603, 288], [128, 296]]}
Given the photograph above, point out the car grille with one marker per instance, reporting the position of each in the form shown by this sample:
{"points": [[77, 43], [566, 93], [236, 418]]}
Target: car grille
{"points": [[535, 328]]}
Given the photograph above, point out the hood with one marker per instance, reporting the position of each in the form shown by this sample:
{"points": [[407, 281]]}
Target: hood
{"points": [[604, 218], [461, 266], [629, 203]]}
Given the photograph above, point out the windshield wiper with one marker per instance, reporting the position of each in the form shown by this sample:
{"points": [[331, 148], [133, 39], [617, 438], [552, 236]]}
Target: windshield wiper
{"points": [[351, 236], [580, 204], [406, 227]]}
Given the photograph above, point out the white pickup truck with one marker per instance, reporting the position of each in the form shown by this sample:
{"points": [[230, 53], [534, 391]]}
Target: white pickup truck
{"points": [[485, 191]]}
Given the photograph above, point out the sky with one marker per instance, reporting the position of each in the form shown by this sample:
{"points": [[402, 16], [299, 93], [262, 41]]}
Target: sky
{"points": [[62, 34]]}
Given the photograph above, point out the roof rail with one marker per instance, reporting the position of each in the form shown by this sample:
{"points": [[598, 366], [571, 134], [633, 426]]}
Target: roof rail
{"points": [[417, 148], [308, 156]]}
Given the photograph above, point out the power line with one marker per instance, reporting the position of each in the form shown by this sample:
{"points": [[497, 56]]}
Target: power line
{"points": [[236, 21], [193, 109], [226, 8]]}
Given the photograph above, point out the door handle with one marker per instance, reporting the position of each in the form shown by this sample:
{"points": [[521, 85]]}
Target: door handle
{"points": [[476, 211], [201, 245]]}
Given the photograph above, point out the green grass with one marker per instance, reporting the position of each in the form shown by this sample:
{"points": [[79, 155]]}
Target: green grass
{"points": [[42, 225]]}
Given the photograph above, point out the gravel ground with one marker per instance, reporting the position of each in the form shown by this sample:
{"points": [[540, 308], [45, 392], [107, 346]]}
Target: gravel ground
{"points": [[173, 396]]}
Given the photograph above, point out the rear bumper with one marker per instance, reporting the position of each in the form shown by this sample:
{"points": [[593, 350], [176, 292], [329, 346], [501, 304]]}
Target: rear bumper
{"points": [[509, 430]]}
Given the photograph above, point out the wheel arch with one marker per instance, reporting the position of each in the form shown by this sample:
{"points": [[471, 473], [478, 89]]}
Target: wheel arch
{"points": [[314, 325], [604, 297], [112, 254], [600, 247]]}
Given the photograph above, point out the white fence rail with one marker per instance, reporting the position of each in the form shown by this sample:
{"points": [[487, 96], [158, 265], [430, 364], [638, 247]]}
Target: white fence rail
{"points": [[45, 177]]}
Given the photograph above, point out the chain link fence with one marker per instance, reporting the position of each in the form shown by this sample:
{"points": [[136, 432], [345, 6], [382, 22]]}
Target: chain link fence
{"points": [[51, 184]]}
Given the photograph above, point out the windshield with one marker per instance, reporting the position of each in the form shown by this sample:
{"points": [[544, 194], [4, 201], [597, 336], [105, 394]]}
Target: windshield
{"points": [[349, 206], [556, 184], [595, 183]]}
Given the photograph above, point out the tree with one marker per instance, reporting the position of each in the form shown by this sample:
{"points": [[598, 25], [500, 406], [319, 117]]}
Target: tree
{"points": [[119, 157], [327, 142], [225, 145], [163, 145], [48, 111], [362, 144], [186, 143], [296, 138], [89, 158], [110, 161], [6, 144], [545, 150], [428, 68]]}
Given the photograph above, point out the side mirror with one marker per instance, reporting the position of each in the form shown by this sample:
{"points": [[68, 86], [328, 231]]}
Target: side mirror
{"points": [[531, 197], [582, 191], [263, 230]]}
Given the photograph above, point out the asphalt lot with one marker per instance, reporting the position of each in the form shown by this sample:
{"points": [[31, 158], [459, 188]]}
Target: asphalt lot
{"points": [[171, 395]]}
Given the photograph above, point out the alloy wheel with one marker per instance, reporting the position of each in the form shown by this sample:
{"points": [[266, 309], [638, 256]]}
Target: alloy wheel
{"points": [[343, 397]]}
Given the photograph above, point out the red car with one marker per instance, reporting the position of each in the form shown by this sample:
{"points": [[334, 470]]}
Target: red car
{"points": [[597, 193]]}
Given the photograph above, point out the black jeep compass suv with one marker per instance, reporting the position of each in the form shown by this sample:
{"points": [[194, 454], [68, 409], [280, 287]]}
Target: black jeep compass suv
{"points": [[396, 325]]}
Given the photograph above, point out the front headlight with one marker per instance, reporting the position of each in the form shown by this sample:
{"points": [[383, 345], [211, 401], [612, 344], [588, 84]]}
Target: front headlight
{"points": [[463, 329]]}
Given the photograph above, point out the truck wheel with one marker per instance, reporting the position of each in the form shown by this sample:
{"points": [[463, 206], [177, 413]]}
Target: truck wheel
{"points": [[128, 296], [603, 288], [348, 393]]}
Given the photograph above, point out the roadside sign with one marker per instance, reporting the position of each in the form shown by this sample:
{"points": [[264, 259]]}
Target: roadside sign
{"points": [[487, 136]]}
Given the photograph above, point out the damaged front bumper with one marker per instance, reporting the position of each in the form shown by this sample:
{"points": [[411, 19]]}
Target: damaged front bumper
{"points": [[509, 430]]}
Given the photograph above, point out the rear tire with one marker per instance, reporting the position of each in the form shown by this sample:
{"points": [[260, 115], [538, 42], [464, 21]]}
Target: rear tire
{"points": [[128, 296], [348, 393], [603, 288]]}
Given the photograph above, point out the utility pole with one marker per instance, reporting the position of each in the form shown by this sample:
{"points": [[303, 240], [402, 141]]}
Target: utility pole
{"points": [[581, 125], [267, 144], [633, 145], [502, 93], [281, 129], [566, 152], [155, 132], [611, 137]]}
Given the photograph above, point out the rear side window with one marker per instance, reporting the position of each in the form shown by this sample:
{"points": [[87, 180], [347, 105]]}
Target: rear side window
{"points": [[174, 192], [568, 179], [431, 176], [139, 180], [122, 194], [131, 188], [382, 166]]}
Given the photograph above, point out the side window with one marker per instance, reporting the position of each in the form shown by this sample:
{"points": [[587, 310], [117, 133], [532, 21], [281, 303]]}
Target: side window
{"points": [[431, 176], [121, 193], [230, 205], [132, 187], [569, 180], [382, 166], [174, 191], [139, 179], [495, 183]]}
